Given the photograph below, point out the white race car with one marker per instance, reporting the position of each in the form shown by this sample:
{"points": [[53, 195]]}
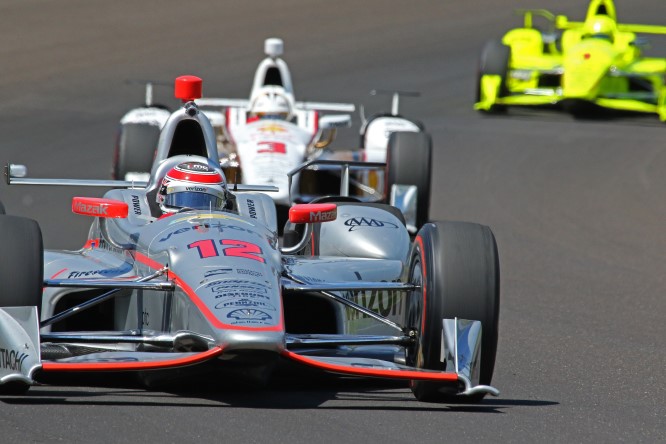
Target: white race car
{"points": [[263, 138], [259, 139]]}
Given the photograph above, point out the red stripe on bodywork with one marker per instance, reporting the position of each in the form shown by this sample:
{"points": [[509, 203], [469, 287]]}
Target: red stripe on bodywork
{"points": [[201, 305], [54, 276], [424, 375], [154, 365]]}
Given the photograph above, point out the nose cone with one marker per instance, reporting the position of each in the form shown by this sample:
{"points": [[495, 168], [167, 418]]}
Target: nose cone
{"points": [[584, 68]]}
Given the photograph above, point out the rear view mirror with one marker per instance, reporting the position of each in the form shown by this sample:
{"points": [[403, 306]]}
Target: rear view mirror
{"points": [[561, 22], [312, 213], [97, 207], [15, 170]]}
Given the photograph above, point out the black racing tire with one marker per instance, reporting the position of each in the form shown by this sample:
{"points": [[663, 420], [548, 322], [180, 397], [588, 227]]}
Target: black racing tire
{"points": [[408, 162], [457, 265], [2, 208], [22, 270], [135, 149], [494, 60]]}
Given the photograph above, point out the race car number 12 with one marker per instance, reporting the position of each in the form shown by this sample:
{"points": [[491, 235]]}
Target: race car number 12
{"points": [[236, 248]]}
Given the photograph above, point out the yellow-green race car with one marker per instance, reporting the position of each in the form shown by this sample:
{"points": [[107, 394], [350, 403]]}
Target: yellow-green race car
{"points": [[574, 64]]}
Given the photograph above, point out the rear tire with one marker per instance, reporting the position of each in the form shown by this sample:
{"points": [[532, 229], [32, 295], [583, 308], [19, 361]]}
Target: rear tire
{"points": [[458, 267], [22, 270], [135, 149], [408, 160], [494, 60]]}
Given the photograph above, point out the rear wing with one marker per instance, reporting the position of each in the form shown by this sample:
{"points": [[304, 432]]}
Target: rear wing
{"points": [[15, 175], [305, 106], [344, 165], [562, 22]]}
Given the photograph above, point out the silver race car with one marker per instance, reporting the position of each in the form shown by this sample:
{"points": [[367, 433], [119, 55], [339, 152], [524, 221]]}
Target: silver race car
{"points": [[184, 277]]}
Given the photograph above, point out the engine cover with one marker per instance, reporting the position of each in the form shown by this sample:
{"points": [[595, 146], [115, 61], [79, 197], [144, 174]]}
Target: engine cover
{"points": [[364, 231]]}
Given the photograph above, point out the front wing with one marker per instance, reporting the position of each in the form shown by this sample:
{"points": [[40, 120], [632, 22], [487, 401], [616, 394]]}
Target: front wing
{"points": [[490, 87], [21, 356]]}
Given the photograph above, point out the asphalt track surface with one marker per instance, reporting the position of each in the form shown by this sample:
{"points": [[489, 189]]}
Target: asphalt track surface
{"points": [[578, 209]]}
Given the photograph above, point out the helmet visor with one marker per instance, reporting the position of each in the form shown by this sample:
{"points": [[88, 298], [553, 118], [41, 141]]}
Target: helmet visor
{"points": [[190, 199]]}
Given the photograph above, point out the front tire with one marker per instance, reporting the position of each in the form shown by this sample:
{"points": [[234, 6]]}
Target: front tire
{"points": [[22, 267], [135, 149], [494, 60], [457, 266], [408, 162]]}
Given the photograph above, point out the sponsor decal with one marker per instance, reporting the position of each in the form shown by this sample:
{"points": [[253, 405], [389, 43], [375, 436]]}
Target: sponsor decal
{"points": [[238, 289], [91, 209], [384, 302], [249, 272], [271, 147], [136, 204], [226, 288], [197, 166], [322, 216], [12, 359], [237, 282], [174, 233], [235, 294], [249, 314], [244, 303], [251, 208], [355, 223], [217, 271], [106, 272], [272, 127], [197, 189]]}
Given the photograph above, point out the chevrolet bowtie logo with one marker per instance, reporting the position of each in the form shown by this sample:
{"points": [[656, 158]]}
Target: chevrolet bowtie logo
{"points": [[274, 128]]}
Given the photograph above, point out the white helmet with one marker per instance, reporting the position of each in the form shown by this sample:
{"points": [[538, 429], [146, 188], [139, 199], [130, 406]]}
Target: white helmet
{"points": [[272, 102], [192, 185]]}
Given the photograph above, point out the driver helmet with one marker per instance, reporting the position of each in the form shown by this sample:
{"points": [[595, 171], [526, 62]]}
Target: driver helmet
{"points": [[600, 27], [192, 185], [271, 102]]}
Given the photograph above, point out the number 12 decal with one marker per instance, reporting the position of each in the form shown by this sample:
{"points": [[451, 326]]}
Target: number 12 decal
{"points": [[235, 248]]}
